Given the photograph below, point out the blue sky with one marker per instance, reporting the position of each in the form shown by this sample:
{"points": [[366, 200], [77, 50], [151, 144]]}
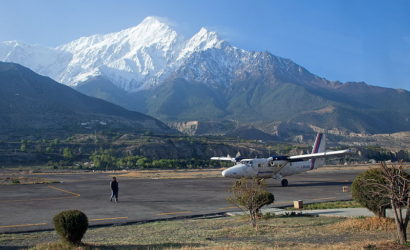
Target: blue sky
{"points": [[346, 40]]}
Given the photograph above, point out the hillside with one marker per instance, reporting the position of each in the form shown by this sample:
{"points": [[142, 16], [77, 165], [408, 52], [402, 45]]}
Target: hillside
{"points": [[265, 104], [30, 103]]}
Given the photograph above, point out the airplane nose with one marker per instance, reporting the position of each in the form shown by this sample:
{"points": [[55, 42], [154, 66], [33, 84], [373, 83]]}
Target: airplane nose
{"points": [[231, 172], [228, 173]]}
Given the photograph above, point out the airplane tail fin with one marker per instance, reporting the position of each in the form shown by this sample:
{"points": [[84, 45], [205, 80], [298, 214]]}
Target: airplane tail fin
{"points": [[318, 147]]}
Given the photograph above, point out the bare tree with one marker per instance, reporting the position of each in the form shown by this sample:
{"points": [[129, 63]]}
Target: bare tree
{"points": [[250, 195], [397, 190]]}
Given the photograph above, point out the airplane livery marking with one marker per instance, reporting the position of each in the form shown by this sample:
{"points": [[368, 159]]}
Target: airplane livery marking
{"points": [[315, 150]]}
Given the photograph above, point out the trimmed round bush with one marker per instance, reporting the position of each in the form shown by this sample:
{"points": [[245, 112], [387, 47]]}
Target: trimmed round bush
{"points": [[265, 198], [71, 225], [366, 195]]}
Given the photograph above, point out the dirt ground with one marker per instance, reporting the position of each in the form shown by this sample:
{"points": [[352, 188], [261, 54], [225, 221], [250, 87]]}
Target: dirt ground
{"points": [[30, 177]]}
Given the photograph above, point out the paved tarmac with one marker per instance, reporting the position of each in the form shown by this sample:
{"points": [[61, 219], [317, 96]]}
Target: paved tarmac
{"points": [[32, 207]]}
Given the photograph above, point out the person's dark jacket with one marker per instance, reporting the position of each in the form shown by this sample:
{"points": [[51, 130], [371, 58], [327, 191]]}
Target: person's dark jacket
{"points": [[114, 186]]}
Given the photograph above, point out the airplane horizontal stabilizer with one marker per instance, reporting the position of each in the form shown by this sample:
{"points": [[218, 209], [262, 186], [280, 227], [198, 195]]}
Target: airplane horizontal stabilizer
{"points": [[223, 159]]}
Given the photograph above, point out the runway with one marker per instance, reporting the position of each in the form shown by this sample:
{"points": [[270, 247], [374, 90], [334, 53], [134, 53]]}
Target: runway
{"points": [[32, 207]]}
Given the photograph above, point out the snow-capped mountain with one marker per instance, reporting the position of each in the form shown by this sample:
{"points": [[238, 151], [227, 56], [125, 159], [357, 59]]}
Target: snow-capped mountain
{"points": [[141, 57], [152, 69], [45, 61], [136, 58]]}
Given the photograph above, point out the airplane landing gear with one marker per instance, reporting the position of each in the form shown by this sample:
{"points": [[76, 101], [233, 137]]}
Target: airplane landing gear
{"points": [[284, 182]]}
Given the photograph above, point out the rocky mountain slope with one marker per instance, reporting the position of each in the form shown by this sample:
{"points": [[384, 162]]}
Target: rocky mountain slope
{"points": [[31, 104]]}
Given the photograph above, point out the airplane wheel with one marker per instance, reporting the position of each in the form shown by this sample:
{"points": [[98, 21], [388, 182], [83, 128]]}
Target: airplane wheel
{"points": [[284, 183]]}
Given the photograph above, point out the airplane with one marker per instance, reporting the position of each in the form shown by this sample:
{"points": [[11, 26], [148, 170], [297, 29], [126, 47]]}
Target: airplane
{"points": [[277, 167]]}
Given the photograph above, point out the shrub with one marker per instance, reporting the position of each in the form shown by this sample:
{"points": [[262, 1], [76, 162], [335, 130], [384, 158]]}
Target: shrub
{"points": [[366, 194], [250, 195], [71, 225], [264, 198]]}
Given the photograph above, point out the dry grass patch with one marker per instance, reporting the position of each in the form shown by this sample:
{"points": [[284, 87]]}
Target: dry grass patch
{"points": [[366, 224], [219, 233], [390, 245], [58, 246], [14, 179]]}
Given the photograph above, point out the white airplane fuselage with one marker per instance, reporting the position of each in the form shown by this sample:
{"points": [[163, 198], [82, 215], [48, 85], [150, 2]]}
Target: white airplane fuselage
{"points": [[279, 166], [263, 168]]}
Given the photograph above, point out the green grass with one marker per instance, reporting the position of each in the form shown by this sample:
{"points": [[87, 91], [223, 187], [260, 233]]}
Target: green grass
{"points": [[330, 205], [220, 233]]}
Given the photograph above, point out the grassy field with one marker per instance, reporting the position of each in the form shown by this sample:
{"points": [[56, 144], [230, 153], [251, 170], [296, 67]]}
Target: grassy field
{"points": [[228, 233], [329, 205]]}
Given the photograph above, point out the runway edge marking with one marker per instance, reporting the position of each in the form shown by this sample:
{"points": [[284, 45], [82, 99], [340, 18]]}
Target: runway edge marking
{"points": [[24, 225], [73, 195], [40, 199], [65, 191], [114, 218]]}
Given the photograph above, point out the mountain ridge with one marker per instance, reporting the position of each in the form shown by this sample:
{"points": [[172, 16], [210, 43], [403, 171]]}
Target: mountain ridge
{"points": [[150, 68], [36, 104], [135, 58]]}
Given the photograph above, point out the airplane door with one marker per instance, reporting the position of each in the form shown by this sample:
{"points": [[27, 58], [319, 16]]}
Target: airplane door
{"points": [[264, 170], [252, 169], [276, 166]]}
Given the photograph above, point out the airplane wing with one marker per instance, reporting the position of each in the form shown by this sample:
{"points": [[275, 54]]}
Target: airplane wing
{"points": [[223, 159], [320, 155]]}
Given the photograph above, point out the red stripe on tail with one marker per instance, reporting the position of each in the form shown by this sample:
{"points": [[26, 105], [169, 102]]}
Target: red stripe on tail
{"points": [[316, 149]]}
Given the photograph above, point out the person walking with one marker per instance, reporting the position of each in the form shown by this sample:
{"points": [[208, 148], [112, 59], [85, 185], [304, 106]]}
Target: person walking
{"points": [[114, 189]]}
